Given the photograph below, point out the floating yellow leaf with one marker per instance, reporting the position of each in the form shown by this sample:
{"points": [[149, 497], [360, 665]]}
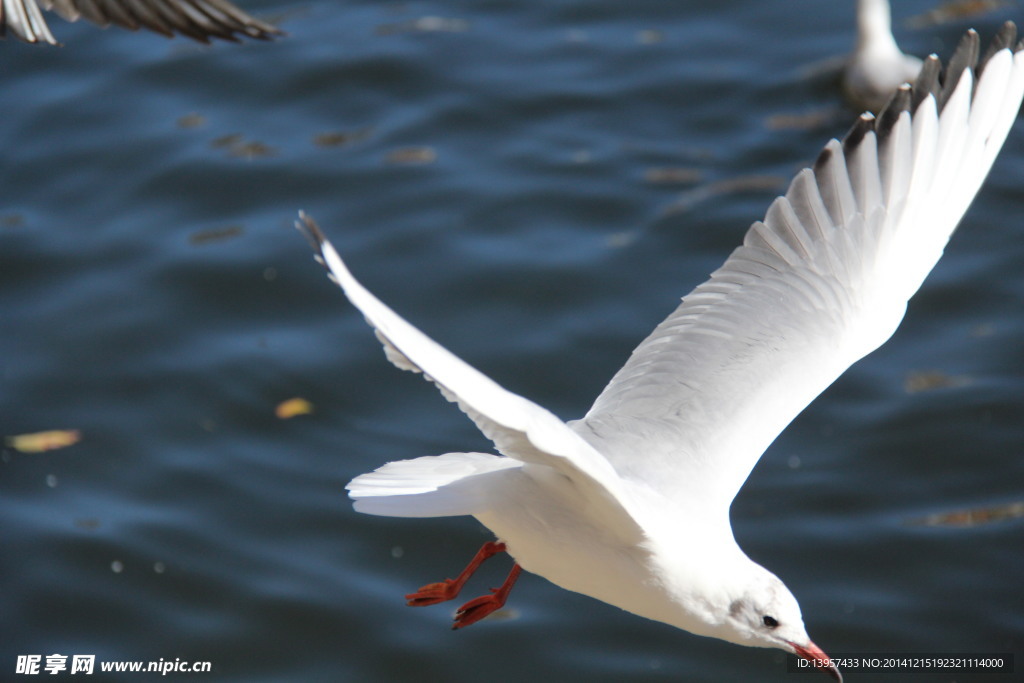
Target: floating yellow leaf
{"points": [[293, 407], [44, 441]]}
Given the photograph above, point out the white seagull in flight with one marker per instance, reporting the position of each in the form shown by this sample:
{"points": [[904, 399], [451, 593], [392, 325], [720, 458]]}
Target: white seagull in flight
{"points": [[630, 504], [197, 19]]}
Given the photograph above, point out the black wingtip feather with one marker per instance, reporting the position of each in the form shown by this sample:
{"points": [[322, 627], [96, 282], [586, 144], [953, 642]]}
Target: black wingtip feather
{"points": [[822, 160], [863, 125], [313, 234], [888, 117], [931, 81], [1004, 39], [940, 83], [965, 57], [927, 82]]}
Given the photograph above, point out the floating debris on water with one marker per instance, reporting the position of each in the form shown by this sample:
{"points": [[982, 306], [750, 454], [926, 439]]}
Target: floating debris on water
{"points": [[341, 138], [973, 516], [237, 146], [689, 199], [215, 235], [411, 155], [672, 175], [428, 24], [12, 220], [930, 380], [191, 121], [807, 120], [649, 36], [38, 442], [957, 10], [293, 407]]}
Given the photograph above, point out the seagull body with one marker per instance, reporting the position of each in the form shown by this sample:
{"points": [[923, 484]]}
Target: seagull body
{"points": [[630, 504], [877, 67], [198, 19]]}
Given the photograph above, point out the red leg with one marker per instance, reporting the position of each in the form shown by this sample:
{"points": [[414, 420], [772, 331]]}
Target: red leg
{"points": [[478, 608], [433, 593]]}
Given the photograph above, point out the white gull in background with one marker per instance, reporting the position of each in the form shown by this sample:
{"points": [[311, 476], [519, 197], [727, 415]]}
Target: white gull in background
{"points": [[630, 504], [877, 66], [197, 19]]}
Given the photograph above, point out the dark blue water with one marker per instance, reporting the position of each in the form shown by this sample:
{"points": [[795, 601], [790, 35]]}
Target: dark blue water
{"points": [[498, 178]]}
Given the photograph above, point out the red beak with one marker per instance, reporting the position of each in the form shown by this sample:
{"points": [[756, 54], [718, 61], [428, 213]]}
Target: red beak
{"points": [[813, 654]]}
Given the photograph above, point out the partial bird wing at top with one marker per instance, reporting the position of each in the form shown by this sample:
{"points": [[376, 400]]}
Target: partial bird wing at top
{"points": [[198, 19], [518, 427], [823, 281], [24, 20]]}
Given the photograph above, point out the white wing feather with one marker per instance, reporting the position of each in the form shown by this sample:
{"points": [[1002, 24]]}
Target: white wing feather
{"points": [[431, 486], [823, 281], [519, 428]]}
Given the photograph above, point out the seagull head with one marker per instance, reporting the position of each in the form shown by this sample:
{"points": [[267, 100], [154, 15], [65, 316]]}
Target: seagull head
{"points": [[764, 613]]}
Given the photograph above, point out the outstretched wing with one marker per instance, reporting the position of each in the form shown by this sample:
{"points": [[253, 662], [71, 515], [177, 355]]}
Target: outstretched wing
{"points": [[197, 19], [24, 19], [821, 282], [519, 428]]}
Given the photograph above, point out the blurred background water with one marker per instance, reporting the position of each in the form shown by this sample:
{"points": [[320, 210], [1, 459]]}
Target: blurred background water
{"points": [[534, 184]]}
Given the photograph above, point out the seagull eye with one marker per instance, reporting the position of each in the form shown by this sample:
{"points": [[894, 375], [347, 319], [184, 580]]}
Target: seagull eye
{"points": [[770, 622]]}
